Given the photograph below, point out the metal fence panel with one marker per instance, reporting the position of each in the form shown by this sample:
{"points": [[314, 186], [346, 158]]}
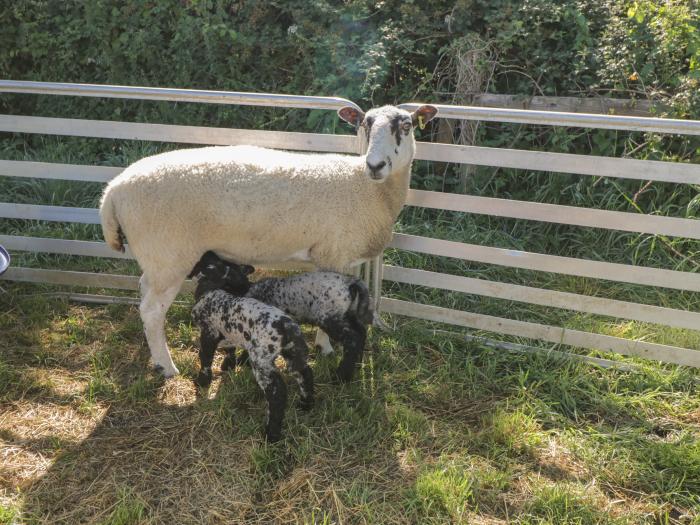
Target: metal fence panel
{"points": [[518, 159]]}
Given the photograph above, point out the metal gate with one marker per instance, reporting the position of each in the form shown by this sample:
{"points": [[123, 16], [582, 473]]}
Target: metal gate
{"points": [[670, 172]]}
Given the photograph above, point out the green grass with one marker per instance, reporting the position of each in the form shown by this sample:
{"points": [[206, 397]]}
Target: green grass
{"points": [[434, 429], [8, 515], [129, 510]]}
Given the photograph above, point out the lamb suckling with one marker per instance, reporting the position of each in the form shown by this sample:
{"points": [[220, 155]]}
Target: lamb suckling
{"points": [[258, 206], [337, 303], [263, 331]]}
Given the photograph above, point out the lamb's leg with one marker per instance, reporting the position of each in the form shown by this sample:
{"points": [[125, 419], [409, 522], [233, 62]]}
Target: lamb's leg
{"points": [[207, 349], [299, 368], [323, 343], [231, 361], [155, 302], [352, 336], [272, 383]]}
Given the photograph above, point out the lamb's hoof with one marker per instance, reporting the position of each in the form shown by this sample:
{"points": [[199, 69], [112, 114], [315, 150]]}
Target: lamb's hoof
{"points": [[273, 436], [306, 404], [229, 363], [166, 372], [203, 379], [343, 376]]}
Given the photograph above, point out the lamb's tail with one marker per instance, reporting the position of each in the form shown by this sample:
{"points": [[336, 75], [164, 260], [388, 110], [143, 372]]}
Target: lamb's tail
{"points": [[360, 304], [111, 229]]}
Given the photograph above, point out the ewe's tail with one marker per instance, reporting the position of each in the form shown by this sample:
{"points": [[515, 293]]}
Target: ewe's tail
{"points": [[111, 230], [360, 302]]}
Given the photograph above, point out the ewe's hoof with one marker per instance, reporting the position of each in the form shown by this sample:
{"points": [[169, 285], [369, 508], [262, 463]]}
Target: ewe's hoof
{"points": [[166, 372], [324, 349]]}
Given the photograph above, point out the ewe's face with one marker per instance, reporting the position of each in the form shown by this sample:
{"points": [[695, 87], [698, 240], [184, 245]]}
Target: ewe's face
{"points": [[389, 134], [390, 142]]}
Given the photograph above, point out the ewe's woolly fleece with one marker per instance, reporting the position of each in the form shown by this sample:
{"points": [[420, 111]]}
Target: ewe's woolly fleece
{"points": [[251, 205]]}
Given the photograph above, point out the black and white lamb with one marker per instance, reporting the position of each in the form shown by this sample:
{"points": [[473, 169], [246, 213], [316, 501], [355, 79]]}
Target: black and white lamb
{"points": [[337, 303], [263, 331]]}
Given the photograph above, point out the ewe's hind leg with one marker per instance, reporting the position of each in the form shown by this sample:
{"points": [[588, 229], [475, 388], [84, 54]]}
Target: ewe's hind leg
{"points": [[323, 343], [272, 383], [155, 302]]}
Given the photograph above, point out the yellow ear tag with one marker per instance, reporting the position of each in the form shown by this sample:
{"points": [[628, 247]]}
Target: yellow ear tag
{"points": [[421, 122]]}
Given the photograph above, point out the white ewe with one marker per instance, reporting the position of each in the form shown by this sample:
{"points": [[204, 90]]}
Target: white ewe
{"points": [[258, 206]]}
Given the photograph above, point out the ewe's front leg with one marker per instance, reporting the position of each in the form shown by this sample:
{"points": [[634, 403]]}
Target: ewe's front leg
{"points": [[154, 305], [323, 343]]}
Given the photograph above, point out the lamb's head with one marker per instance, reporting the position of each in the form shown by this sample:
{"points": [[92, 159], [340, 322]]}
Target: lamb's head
{"points": [[214, 273], [389, 132]]}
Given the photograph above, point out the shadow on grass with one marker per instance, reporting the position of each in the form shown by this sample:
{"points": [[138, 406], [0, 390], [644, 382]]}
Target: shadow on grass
{"points": [[163, 453], [433, 430]]}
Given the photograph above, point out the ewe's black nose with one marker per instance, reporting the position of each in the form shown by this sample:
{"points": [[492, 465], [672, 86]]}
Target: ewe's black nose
{"points": [[374, 168]]}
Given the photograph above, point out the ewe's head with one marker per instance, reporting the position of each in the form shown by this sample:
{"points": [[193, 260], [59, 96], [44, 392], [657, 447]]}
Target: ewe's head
{"points": [[213, 273], [389, 132]]}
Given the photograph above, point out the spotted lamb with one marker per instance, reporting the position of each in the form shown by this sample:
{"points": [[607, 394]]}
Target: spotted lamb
{"points": [[337, 303], [263, 331]]}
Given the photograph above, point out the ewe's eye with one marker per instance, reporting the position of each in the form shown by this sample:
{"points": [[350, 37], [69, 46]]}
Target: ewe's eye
{"points": [[406, 126]]}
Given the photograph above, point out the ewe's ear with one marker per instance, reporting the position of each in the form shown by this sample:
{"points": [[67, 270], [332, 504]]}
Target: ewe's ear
{"points": [[423, 115], [352, 116], [247, 269]]}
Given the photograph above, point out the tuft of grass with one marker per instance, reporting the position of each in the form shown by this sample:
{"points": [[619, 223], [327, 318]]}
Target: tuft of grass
{"points": [[409, 424], [567, 504], [129, 510], [8, 515], [447, 490], [141, 389], [509, 432]]}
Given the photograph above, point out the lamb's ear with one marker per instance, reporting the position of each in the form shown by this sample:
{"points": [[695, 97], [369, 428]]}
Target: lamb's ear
{"points": [[247, 269], [352, 116], [423, 115]]}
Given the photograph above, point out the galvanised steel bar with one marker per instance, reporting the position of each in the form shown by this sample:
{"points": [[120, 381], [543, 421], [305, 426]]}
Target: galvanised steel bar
{"points": [[576, 120], [175, 95]]}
